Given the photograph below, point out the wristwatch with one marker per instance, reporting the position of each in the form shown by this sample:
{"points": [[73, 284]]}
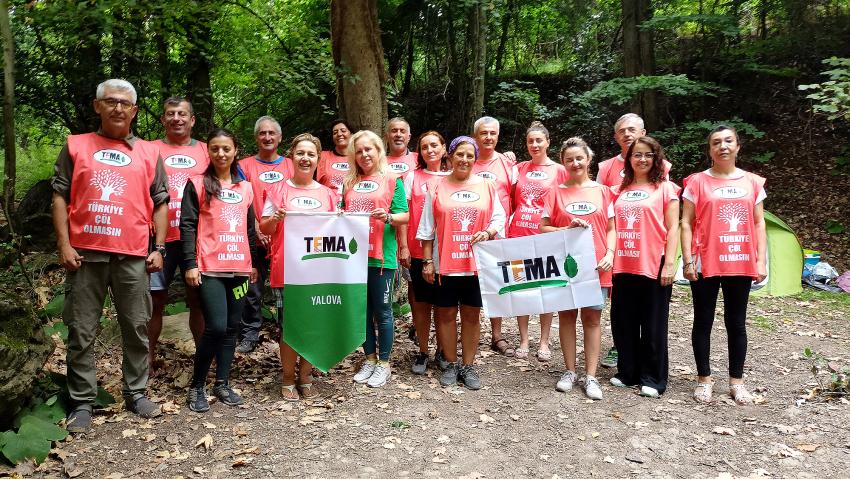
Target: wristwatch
{"points": [[160, 248]]}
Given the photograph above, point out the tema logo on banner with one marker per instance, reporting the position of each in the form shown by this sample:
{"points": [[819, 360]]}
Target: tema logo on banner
{"points": [[539, 273]]}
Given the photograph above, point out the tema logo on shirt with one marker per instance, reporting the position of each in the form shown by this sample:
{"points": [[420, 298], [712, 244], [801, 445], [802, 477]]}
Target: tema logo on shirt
{"points": [[464, 196], [180, 161], [230, 196], [581, 208], [305, 203], [730, 192], [340, 166], [487, 175], [112, 158], [536, 175], [538, 272], [270, 176], [328, 247], [400, 167], [634, 195], [366, 186]]}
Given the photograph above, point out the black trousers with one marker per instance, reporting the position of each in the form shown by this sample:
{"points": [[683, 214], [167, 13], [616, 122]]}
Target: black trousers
{"points": [[736, 294], [640, 308], [222, 300], [252, 317]]}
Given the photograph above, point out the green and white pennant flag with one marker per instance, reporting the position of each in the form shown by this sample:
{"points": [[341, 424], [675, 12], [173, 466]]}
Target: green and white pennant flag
{"points": [[324, 293]]}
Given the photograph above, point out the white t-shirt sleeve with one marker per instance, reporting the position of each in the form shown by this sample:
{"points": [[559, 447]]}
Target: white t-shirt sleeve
{"points": [[687, 194], [610, 211], [761, 196], [426, 230], [497, 221], [407, 181], [269, 209], [514, 174]]}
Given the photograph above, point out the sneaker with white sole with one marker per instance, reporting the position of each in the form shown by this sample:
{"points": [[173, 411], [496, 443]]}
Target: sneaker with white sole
{"points": [[649, 392], [610, 359], [365, 372], [380, 376], [566, 382], [592, 388], [616, 382], [420, 364]]}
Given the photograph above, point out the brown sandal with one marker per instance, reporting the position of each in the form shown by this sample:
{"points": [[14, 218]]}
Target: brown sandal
{"points": [[503, 347], [308, 391], [288, 392]]}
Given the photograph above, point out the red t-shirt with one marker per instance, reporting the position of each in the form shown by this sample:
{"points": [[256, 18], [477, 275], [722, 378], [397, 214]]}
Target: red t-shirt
{"points": [[533, 184], [181, 163], [423, 182], [223, 244]]}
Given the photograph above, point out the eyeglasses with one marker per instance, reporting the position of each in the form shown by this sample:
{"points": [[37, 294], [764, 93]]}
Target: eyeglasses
{"points": [[640, 156], [114, 102]]}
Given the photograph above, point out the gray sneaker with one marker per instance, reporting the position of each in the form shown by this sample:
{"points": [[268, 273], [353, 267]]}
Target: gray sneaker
{"points": [[420, 364], [79, 420], [469, 376], [442, 362], [143, 406], [592, 388], [379, 377], [246, 346], [227, 395], [365, 372], [566, 382], [449, 376]]}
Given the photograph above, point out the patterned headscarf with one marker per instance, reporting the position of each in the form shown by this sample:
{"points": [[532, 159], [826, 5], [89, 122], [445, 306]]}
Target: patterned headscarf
{"points": [[463, 139]]}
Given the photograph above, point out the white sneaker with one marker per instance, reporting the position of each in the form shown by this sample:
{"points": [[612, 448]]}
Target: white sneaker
{"points": [[380, 376], [566, 382], [365, 372], [649, 392], [615, 381], [592, 389]]}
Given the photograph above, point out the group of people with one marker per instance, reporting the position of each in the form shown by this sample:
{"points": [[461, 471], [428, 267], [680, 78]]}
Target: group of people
{"points": [[129, 212]]}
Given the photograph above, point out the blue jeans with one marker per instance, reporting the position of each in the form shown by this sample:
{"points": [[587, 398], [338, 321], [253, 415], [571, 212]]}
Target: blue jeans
{"points": [[379, 312]]}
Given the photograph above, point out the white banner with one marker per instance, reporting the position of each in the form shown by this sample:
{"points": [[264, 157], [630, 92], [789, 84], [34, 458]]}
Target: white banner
{"points": [[536, 274]]}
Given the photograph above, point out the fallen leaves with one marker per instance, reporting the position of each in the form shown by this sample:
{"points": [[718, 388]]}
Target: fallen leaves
{"points": [[724, 431], [807, 447], [205, 441], [486, 419]]}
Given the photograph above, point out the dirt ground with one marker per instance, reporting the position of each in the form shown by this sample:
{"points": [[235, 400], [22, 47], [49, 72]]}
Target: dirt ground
{"points": [[517, 426]]}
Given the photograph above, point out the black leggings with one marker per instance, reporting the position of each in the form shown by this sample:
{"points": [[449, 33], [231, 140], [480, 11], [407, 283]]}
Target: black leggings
{"points": [[222, 300], [736, 293]]}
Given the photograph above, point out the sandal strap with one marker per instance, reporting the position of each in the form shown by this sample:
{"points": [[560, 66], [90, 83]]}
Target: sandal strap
{"points": [[703, 392], [740, 394]]}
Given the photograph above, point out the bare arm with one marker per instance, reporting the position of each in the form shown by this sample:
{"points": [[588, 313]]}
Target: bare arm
{"points": [[671, 221], [761, 241], [68, 256], [688, 215]]}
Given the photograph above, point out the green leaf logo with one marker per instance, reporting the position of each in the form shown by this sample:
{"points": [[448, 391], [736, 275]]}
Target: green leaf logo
{"points": [[352, 246], [571, 267]]}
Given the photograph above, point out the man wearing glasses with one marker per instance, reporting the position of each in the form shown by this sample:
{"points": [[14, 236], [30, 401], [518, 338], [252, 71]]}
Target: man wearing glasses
{"points": [[108, 188], [182, 157]]}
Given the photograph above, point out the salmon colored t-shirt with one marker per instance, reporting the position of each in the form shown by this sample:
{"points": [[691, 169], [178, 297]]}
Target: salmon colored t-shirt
{"points": [[499, 170], [223, 244], [403, 165], [181, 163], [331, 170], [289, 197], [725, 224], [459, 212], [611, 171], [594, 204], [641, 232], [369, 193], [534, 182], [423, 182], [263, 174]]}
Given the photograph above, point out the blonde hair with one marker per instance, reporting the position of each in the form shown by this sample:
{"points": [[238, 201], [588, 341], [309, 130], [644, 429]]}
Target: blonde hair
{"points": [[354, 173], [305, 137], [576, 142]]}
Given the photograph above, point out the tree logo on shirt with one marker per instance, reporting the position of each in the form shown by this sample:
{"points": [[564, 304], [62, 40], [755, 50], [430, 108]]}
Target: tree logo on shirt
{"points": [[360, 205], [631, 214], [730, 192], [271, 176], [634, 195], [328, 247], [531, 192], [465, 217], [340, 165], [109, 183], [399, 167], [177, 182], [365, 186], [232, 215], [182, 162], [487, 175], [537, 175], [538, 272], [229, 196], [305, 203], [112, 158], [581, 208], [733, 214]]}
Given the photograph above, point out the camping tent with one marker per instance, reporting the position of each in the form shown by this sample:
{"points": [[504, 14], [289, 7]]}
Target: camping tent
{"points": [[784, 261]]}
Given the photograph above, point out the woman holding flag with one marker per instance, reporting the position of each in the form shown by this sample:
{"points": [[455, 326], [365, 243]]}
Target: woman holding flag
{"points": [[299, 193], [219, 248], [585, 203], [463, 209], [370, 187]]}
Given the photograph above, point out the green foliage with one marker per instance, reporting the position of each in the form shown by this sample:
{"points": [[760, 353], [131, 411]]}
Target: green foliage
{"points": [[832, 97], [175, 308], [685, 144], [401, 309], [36, 431], [516, 102], [834, 227], [724, 24], [621, 91], [838, 382]]}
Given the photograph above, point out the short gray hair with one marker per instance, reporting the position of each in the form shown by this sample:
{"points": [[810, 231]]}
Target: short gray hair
{"points": [[398, 119], [116, 84], [482, 121], [627, 117], [269, 119]]}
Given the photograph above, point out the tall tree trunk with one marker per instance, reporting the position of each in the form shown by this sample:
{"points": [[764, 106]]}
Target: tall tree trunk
{"points": [[478, 27], [10, 170], [503, 38], [198, 57], [359, 61], [408, 68], [639, 56]]}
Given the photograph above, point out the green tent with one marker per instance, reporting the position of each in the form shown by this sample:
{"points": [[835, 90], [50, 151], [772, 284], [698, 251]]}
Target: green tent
{"points": [[784, 260]]}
